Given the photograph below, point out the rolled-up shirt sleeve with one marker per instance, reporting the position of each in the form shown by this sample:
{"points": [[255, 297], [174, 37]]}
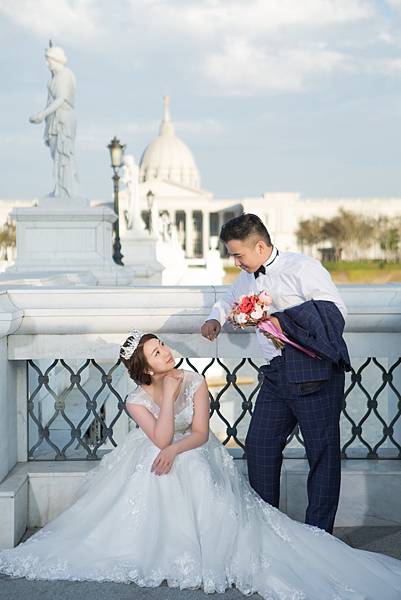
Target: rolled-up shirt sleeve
{"points": [[317, 284]]}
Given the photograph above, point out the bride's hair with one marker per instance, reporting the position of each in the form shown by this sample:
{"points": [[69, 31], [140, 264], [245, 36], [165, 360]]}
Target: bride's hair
{"points": [[137, 364]]}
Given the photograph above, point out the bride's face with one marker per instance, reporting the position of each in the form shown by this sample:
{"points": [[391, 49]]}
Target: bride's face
{"points": [[158, 356]]}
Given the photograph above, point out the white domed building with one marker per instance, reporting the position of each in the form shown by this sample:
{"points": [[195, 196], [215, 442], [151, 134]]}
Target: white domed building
{"points": [[170, 182], [168, 158], [170, 177]]}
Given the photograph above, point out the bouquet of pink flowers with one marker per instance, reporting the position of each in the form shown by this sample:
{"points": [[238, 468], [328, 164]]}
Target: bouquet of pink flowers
{"points": [[253, 310]]}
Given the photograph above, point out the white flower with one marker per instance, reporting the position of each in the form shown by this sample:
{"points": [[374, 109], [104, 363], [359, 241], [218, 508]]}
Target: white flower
{"points": [[257, 313], [241, 318]]}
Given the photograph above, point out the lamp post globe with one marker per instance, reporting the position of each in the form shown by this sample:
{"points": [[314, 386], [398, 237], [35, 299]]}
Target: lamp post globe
{"points": [[116, 149]]}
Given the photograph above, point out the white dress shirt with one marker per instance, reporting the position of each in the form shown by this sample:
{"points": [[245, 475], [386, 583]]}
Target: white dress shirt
{"points": [[291, 279]]}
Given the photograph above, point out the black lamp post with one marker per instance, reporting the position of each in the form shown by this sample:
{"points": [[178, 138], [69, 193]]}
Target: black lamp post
{"points": [[150, 197], [116, 150]]}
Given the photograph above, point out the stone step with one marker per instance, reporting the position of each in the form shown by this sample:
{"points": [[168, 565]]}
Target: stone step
{"points": [[36, 492]]}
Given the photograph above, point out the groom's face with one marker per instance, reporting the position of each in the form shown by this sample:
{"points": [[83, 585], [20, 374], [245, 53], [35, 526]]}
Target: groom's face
{"points": [[248, 254]]}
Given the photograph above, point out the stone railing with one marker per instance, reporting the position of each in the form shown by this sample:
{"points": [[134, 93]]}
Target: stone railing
{"points": [[66, 347], [62, 392]]}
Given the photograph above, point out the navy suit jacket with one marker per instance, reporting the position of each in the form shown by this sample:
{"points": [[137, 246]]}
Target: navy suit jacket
{"points": [[317, 325]]}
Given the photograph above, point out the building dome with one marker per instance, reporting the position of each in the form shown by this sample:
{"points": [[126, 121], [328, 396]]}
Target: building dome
{"points": [[168, 158]]}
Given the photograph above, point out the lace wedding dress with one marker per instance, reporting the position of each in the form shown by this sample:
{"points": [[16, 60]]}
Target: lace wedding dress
{"points": [[199, 526]]}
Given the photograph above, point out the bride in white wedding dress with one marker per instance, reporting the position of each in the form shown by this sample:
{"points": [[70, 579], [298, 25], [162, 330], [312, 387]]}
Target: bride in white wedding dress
{"points": [[168, 504]]}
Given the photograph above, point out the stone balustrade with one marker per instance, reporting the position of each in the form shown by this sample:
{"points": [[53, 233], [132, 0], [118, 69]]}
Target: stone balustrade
{"points": [[42, 324]]}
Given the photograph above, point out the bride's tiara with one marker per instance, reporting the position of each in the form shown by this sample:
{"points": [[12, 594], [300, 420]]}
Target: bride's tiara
{"points": [[131, 344]]}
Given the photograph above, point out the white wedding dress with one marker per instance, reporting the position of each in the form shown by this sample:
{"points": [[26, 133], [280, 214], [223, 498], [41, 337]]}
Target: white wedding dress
{"points": [[199, 526]]}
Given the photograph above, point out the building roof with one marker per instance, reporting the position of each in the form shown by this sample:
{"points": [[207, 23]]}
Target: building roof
{"points": [[167, 157]]}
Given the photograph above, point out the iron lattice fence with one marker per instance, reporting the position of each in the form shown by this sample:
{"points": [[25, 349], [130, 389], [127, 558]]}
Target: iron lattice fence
{"points": [[76, 412]]}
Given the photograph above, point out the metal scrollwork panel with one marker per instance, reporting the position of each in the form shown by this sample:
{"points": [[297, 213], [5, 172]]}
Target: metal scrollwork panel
{"points": [[77, 411]]}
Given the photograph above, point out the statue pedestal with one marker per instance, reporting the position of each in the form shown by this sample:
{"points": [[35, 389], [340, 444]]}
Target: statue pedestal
{"points": [[55, 238], [214, 268], [51, 202], [172, 257], [139, 253]]}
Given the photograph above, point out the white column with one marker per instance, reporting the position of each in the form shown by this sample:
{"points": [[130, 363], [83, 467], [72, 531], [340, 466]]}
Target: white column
{"points": [[189, 236], [205, 233], [10, 320]]}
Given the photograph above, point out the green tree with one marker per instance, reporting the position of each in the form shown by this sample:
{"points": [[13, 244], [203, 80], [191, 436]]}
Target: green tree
{"points": [[8, 235], [388, 236], [309, 231], [349, 231]]}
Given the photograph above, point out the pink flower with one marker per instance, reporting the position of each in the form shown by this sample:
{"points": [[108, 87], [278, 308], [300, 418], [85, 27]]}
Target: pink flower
{"points": [[265, 298]]}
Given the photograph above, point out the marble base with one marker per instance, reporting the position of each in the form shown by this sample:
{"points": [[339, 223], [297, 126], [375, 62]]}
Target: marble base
{"points": [[55, 202], [13, 508], [50, 493], [66, 246], [59, 238], [139, 253], [35, 493]]}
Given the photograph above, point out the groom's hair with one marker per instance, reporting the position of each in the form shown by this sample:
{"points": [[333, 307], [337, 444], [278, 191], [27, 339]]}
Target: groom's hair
{"points": [[244, 226]]}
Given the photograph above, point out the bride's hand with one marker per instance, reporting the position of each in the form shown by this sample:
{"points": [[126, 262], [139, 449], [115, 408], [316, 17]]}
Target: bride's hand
{"points": [[177, 373], [171, 384], [164, 461]]}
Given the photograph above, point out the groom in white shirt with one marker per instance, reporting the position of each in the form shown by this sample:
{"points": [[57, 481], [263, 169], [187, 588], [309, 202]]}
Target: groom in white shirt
{"points": [[292, 279]]}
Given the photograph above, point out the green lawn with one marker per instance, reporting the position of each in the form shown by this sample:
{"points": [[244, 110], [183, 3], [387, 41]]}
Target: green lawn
{"points": [[363, 265], [364, 272], [351, 272]]}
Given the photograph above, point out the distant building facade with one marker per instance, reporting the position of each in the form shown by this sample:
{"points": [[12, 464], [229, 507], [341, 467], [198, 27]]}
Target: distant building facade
{"points": [[168, 171]]}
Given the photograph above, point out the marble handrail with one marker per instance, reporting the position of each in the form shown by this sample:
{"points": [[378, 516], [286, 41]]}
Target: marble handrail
{"points": [[94, 321], [171, 309]]}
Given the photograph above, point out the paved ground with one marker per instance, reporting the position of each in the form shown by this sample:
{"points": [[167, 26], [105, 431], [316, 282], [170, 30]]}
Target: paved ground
{"points": [[377, 539]]}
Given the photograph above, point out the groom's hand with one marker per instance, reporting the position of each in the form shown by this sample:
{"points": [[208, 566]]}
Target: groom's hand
{"points": [[211, 329]]}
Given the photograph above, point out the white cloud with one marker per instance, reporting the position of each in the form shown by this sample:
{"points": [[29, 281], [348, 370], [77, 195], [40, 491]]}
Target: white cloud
{"points": [[259, 46], [225, 46], [394, 4], [251, 17], [87, 19], [388, 65], [97, 135], [54, 18], [246, 69], [388, 38]]}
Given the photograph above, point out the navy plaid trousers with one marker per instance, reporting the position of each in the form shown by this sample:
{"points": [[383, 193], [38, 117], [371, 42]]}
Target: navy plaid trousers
{"points": [[316, 407]]}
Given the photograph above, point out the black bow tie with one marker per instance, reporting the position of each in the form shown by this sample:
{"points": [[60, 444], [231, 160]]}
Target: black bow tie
{"points": [[261, 269]]}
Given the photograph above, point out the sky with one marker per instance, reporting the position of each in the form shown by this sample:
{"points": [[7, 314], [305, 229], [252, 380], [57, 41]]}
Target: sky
{"points": [[270, 95]]}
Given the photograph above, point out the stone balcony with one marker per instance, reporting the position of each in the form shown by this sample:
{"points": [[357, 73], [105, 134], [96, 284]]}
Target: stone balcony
{"points": [[58, 354]]}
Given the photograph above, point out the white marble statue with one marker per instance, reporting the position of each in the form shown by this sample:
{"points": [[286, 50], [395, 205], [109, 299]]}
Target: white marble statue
{"points": [[60, 129], [131, 180]]}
